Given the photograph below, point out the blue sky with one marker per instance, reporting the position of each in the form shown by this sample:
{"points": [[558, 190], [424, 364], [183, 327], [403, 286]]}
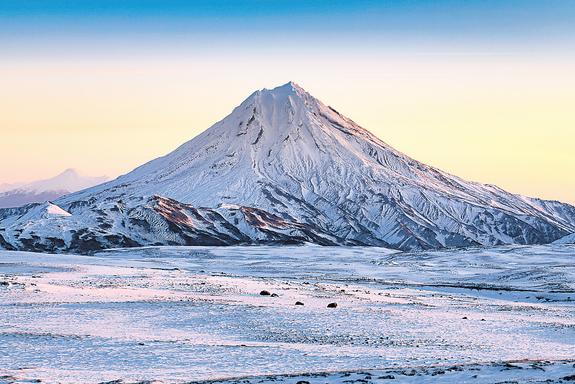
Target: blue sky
{"points": [[42, 25]]}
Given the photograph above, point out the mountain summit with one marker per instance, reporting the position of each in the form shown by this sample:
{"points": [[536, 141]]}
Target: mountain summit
{"points": [[47, 189], [284, 167]]}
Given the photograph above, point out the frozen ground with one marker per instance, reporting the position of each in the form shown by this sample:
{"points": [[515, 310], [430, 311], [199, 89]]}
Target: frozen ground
{"points": [[194, 314]]}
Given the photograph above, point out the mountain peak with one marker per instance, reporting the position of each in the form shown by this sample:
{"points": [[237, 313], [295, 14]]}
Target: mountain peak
{"points": [[68, 174], [289, 88], [69, 180]]}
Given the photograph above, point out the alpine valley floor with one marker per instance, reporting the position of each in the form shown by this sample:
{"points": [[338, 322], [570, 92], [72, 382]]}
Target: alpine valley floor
{"points": [[192, 314]]}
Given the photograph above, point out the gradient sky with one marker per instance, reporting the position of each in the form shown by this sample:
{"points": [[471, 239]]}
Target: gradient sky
{"points": [[482, 89]]}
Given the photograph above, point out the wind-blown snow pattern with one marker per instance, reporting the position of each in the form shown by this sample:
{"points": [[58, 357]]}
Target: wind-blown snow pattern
{"points": [[285, 168]]}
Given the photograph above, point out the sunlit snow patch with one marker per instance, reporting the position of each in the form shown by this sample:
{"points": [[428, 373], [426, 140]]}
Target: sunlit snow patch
{"points": [[54, 210]]}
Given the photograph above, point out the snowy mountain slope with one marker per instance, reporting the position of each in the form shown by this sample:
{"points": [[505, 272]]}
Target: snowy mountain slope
{"points": [[290, 157], [153, 221], [45, 190], [569, 239]]}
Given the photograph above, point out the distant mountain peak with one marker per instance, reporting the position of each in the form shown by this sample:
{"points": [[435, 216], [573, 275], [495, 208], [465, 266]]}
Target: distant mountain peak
{"points": [[69, 172], [70, 180]]}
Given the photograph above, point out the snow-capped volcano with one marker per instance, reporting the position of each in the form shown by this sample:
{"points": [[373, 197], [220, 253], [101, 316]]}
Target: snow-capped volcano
{"points": [[47, 189], [284, 167]]}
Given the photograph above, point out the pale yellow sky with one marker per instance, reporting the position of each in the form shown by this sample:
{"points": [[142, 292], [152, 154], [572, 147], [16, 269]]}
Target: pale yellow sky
{"points": [[507, 120]]}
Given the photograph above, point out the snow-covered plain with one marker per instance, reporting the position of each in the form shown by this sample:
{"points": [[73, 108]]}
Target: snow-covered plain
{"points": [[181, 314]]}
